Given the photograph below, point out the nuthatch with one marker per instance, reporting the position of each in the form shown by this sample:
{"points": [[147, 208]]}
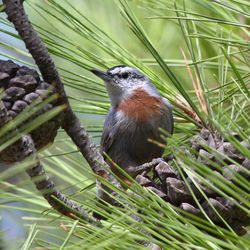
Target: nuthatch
{"points": [[136, 114]]}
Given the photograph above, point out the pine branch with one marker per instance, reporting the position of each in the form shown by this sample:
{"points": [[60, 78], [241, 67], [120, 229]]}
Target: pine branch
{"points": [[16, 14]]}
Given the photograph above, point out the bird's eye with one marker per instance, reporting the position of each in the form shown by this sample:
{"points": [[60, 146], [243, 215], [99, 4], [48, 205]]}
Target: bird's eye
{"points": [[124, 75]]}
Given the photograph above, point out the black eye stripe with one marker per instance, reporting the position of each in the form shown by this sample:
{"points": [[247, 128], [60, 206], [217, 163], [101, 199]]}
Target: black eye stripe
{"points": [[124, 75]]}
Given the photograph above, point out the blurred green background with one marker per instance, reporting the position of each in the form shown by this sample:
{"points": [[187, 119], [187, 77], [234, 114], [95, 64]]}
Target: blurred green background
{"points": [[85, 34]]}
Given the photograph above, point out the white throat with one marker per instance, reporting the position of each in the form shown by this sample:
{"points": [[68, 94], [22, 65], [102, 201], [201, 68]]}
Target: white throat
{"points": [[117, 94]]}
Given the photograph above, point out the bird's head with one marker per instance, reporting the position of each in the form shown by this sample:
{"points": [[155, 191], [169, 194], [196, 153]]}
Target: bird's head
{"points": [[121, 81]]}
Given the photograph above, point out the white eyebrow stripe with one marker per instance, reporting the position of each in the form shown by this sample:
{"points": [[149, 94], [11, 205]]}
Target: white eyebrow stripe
{"points": [[120, 70]]}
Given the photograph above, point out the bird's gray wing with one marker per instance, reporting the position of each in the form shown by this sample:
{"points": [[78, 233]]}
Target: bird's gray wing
{"points": [[109, 130], [169, 117]]}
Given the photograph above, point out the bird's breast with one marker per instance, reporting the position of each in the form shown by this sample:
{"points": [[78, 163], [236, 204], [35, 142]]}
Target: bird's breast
{"points": [[141, 106]]}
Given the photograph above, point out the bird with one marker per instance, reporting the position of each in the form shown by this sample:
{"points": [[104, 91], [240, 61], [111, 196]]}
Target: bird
{"points": [[136, 113]]}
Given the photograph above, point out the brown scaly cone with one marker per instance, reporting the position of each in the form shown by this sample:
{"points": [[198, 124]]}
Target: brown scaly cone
{"points": [[171, 187], [22, 86]]}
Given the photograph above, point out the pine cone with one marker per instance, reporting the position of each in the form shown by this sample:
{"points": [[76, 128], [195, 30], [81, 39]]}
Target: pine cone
{"points": [[22, 86], [170, 187]]}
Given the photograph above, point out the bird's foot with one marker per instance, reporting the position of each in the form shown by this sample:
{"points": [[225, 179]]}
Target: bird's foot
{"points": [[146, 166]]}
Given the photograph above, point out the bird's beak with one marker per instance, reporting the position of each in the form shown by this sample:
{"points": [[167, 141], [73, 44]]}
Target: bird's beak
{"points": [[103, 75]]}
